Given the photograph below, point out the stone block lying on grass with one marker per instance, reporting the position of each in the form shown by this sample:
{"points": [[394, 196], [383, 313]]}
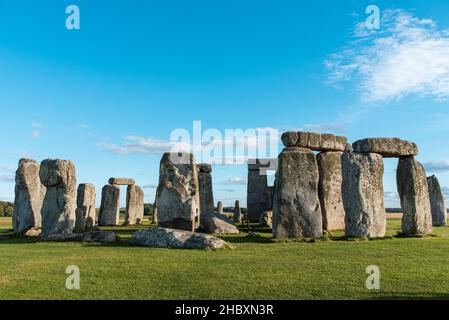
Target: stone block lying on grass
{"points": [[211, 222], [94, 236], [177, 239]]}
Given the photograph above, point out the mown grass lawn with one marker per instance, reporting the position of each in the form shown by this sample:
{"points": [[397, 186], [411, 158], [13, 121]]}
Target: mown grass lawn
{"points": [[411, 268]]}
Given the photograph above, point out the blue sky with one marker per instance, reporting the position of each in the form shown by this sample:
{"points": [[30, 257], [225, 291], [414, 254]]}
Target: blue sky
{"points": [[109, 95]]}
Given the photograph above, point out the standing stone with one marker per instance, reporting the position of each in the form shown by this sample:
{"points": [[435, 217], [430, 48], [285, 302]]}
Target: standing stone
{"points": [[269, 194], [329, 190], [109, 214], [154, 215], [205, 187], [296, 208], [177, 196], [256, 193], [134, 205], [363, 195], [237, 212], [220, 209], [414, 194], [29, 195], [85, 207], [58, 209], [437, 203]]}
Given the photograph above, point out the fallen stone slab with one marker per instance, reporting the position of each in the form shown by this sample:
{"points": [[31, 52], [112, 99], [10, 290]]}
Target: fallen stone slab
{"points": [[210, 222], [177, 239], [121, 181], [387, 147], [437, 203], [314, 141], [94, 236]]}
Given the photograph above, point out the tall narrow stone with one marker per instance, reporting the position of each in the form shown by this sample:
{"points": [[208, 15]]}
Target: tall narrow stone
{"points": [[58, 209], [296, 208], [256, 192], [29, 195], [154, 215], [363, 195], [109, 214], [85, 207], [237, 212], [205, 187], [329, 190], [414, 194], [220, 209], [134, 205], [177, 196], [269, 194], [437, 203]]}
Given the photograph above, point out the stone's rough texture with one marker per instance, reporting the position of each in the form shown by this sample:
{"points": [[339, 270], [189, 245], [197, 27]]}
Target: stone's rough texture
{"points": [[414, 194], [387, 147], [266, 219], [314, 141], [220, 207], [177, 196], [269, 194], [178, 239], [29, 195], [85, 206], [110, 206], [329, 190], [296, 208], [363, 196], [154, 215], [256, 196], [134, 205], [121, 181], [95, 236], [237, 212], [437, 203], [213, 223], [205, 188], [33, 232], [58, 209]]}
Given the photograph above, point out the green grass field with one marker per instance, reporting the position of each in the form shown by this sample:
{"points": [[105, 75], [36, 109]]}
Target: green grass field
{"points": [[411, 268]]}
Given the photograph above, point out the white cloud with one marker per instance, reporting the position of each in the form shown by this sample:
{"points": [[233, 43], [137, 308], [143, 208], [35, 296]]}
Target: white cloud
{"points": [[236, 181], [36, 134], [407, 56], [83, 126], [36, 124], [435, 166]]}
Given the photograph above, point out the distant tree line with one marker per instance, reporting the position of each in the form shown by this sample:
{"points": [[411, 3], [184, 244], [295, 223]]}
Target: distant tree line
{"points": [[6, 209]]}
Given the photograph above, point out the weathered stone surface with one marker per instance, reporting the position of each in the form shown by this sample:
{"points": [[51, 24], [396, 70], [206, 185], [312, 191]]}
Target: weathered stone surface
{"points": [[121, 181], [58, 209], [256, 192], [363, 196], [29, 196], [134, 205], [296, 208], [414, 194], [329, 190], [269, 194], [33, 232], [94, 236], [314, 141], [220, 209], [85, 206], [205, 188], [154, 215], [177, 239], [109, 214], [387, 147], [266, 219], [177, 196], [213, 223], [237, 212], [437, 203]]}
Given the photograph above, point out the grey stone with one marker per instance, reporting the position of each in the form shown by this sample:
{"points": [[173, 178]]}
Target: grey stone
{"points": [[256, 192], [33, 232], [269, 193], [177, 196], [237, 212], [205, 188], [437, 203], [329, 190], [387, 147], [134, 205], [296, 208], [289, 139], [58, 209], [154, 215], [363, 196], [121, 181], [315, 141], [178, 239], [220, 207], [109, 214], [214, 223], [266, 219], [414, 194], [100, 236], [29, 196], [85, 206]]}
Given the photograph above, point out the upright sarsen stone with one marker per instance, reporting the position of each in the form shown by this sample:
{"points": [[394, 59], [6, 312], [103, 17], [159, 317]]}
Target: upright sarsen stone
{"points": [[237, 212], [85, 209], [220, 209], [414, 194], [256, 192], [29, 195], [329, 190], [437, 203], [177, 196], [205, 188], [109, 214], [296, 208], [134, 205], [363, 196], [58, 209]]}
